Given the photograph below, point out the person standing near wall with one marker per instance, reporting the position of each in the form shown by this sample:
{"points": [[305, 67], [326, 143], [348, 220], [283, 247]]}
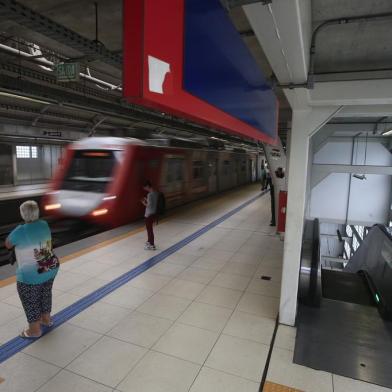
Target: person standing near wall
{"points": [[263, 176]]}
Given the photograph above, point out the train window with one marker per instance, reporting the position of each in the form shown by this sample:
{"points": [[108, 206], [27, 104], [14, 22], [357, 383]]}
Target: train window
{"points": [[243, 166], [198, 170], [226, 167], [174, 170], [90, 171]]}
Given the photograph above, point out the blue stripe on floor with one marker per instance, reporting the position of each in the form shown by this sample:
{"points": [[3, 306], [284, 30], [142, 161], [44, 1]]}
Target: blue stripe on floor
{"points": [[17, 344]]}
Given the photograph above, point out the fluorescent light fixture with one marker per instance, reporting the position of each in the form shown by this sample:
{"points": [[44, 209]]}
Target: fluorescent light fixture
{"points": [[4, 94], [387, 133]]}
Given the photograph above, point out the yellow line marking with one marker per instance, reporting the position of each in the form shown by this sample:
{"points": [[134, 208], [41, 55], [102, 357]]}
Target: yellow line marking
{"points": [[12, 279], [101, 245], [272, 387]]}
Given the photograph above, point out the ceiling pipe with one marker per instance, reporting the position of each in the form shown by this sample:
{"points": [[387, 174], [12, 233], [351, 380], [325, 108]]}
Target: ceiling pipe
{"points": [[47, 63], [309, 84], [331, 22]]}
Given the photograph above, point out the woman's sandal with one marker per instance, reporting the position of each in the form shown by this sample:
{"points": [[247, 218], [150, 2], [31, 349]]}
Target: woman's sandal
{"points": [[25, 335]]}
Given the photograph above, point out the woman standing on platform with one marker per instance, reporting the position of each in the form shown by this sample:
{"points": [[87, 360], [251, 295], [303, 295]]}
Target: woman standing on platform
{"points": [[37, 268]]}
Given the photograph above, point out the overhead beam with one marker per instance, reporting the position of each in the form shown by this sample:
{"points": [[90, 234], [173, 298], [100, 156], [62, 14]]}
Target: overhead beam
{"points": [[322, 171], [26, 17], [238, 3]]}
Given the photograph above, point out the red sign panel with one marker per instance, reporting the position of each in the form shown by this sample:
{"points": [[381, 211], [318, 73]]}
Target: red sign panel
{"points": [[153, 74]]}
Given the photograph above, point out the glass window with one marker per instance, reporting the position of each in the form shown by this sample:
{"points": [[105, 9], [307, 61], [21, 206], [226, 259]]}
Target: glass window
{"points": [[174, 170], [34, 152], [23, 151], [26, 152], [198, 170], [90, 171]]}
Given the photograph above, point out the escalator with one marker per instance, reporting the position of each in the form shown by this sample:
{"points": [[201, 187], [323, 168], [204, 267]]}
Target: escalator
{"points": [[343, 321]]}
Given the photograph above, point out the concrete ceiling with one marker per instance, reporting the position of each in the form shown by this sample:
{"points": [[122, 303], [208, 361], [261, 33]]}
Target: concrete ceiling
{"points": [[366, 45]]}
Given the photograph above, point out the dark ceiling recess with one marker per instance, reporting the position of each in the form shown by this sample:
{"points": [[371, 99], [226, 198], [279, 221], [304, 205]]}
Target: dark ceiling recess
{"points": [[12, 10]]}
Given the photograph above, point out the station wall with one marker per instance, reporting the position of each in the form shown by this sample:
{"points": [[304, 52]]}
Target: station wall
{"points": [[341, 197], [23, 163]]}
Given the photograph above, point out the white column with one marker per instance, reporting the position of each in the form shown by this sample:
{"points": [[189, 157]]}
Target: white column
{"points": [[305, 123]]}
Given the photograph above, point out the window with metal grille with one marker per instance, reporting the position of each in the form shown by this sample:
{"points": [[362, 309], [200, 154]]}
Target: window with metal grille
{"points": [[23, 151], [26, 152], [34, 152]]}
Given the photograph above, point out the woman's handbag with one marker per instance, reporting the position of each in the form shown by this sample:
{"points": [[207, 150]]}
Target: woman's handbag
{"points": [[12, 256]]}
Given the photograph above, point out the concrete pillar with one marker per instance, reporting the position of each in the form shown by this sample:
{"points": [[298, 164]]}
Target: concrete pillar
{"points": [[305, 123]]}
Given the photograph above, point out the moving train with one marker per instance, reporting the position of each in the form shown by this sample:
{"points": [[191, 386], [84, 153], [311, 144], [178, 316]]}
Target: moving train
{"points": [[101, 178]]}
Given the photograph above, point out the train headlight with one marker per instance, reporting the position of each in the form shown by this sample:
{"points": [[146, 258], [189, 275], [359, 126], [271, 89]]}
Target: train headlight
{"points": [[110, 198], [50, 207], [101, 211]]}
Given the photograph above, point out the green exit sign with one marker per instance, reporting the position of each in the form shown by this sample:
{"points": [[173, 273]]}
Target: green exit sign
{"points": [[67, 72]]}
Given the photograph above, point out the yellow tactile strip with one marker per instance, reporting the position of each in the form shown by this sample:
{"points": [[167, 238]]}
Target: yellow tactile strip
{"points": [[272, 387]]}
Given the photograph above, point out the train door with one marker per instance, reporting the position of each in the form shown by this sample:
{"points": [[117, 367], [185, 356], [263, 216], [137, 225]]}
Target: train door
{"points": [[173, 180], [212, 176]]}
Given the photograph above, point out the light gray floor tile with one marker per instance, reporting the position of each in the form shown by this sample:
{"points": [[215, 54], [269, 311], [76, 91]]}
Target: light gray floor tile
{"points": [[9, 313], [183, 288], [150, 281], [100, 317], [165, 306], [157, 372], [69, 382], [268, 288], [167, 269], [259, 305], [108, 361], [240, 269], [220, 296], [23, 373], [250, 326], [141, 329], [211, 380], [62, 345], [187, 342], [240, 357], [231, 281], [198, 275], [285, 337], [206, 316], [128, 297]]}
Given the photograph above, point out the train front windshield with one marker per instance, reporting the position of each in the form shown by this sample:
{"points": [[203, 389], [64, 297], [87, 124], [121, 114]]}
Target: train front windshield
{"points": [[91, 171]]}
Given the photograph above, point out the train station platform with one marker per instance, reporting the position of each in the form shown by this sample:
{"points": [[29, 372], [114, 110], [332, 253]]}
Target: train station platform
{"points": [[22, 191], [199, 314]]}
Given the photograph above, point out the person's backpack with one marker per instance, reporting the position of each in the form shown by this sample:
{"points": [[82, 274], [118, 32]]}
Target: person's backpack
{"points": [[161, 205]]}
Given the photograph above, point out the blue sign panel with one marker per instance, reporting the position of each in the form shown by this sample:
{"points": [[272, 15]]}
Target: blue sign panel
{"points": [[219, 69]]}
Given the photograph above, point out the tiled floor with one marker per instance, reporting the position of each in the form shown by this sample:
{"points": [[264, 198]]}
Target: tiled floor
{"points": [[200, 321]]}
